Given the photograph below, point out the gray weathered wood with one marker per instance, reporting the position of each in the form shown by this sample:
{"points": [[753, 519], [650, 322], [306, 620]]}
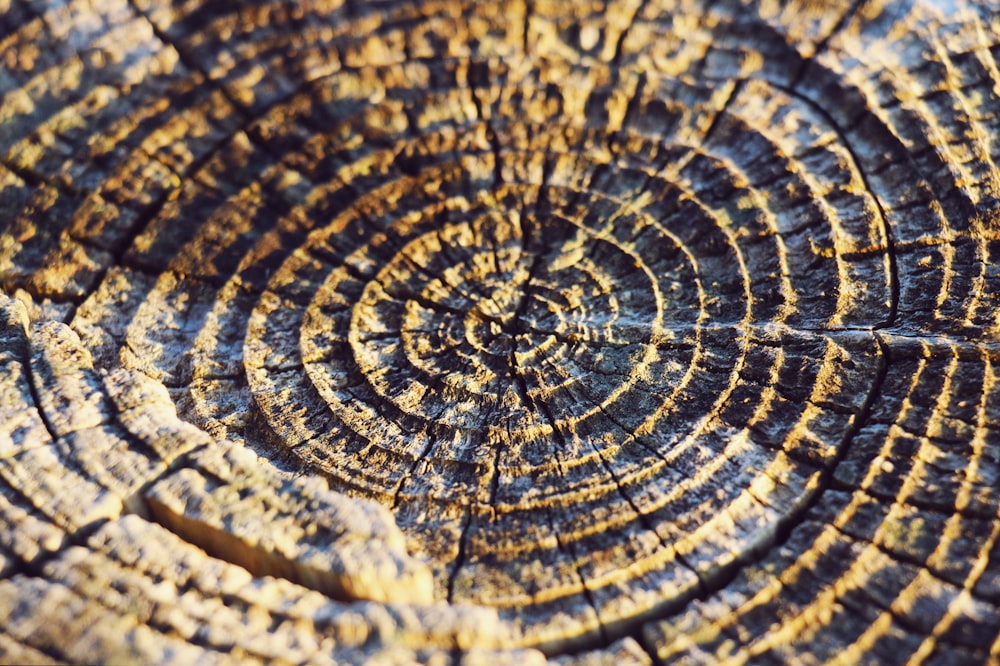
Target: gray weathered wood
{"points": [[634, 331]]}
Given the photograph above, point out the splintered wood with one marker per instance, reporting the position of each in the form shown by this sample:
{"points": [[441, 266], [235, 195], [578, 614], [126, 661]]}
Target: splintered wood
{"points": [[469, 332]]}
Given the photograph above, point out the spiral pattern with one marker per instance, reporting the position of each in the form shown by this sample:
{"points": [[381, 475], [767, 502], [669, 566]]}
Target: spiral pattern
{"points": [[663, 331]]}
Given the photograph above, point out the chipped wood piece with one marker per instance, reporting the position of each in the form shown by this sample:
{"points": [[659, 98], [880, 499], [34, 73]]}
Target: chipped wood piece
{"points": [[227, 502], [186, 604]]}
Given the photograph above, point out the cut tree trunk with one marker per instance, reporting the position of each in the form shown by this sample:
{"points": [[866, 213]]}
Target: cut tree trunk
{"points": [[456, 331]]}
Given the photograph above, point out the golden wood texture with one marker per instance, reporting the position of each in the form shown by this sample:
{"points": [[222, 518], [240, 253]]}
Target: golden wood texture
{"points": [[451, 331]]}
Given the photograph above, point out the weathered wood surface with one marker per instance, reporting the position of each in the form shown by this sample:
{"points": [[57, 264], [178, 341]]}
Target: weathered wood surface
{"points": [[630, 332]]}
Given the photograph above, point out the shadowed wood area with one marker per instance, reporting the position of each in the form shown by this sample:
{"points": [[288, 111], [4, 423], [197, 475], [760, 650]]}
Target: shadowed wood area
{"points": [[628, 332]]}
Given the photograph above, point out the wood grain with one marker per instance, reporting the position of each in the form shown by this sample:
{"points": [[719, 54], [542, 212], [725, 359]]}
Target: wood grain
{"points": [[450, 331]]}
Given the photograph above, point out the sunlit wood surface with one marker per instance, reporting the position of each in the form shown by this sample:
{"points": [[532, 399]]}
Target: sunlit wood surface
{"points": [[474, 332]]}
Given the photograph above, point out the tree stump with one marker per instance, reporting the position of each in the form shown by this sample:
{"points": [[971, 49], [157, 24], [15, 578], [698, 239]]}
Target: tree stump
{"points": [[452, 331]]}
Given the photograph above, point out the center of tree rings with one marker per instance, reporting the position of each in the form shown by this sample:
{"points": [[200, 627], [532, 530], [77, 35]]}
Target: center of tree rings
{"points": [[592, 365]]}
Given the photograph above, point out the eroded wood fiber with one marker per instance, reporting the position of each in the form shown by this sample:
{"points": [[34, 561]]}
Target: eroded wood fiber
{"points": [[624, 332]]}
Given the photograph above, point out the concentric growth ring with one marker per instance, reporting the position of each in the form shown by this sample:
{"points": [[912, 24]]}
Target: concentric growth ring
{"points": [[654, 329], [565, 323], [522, 311]]}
